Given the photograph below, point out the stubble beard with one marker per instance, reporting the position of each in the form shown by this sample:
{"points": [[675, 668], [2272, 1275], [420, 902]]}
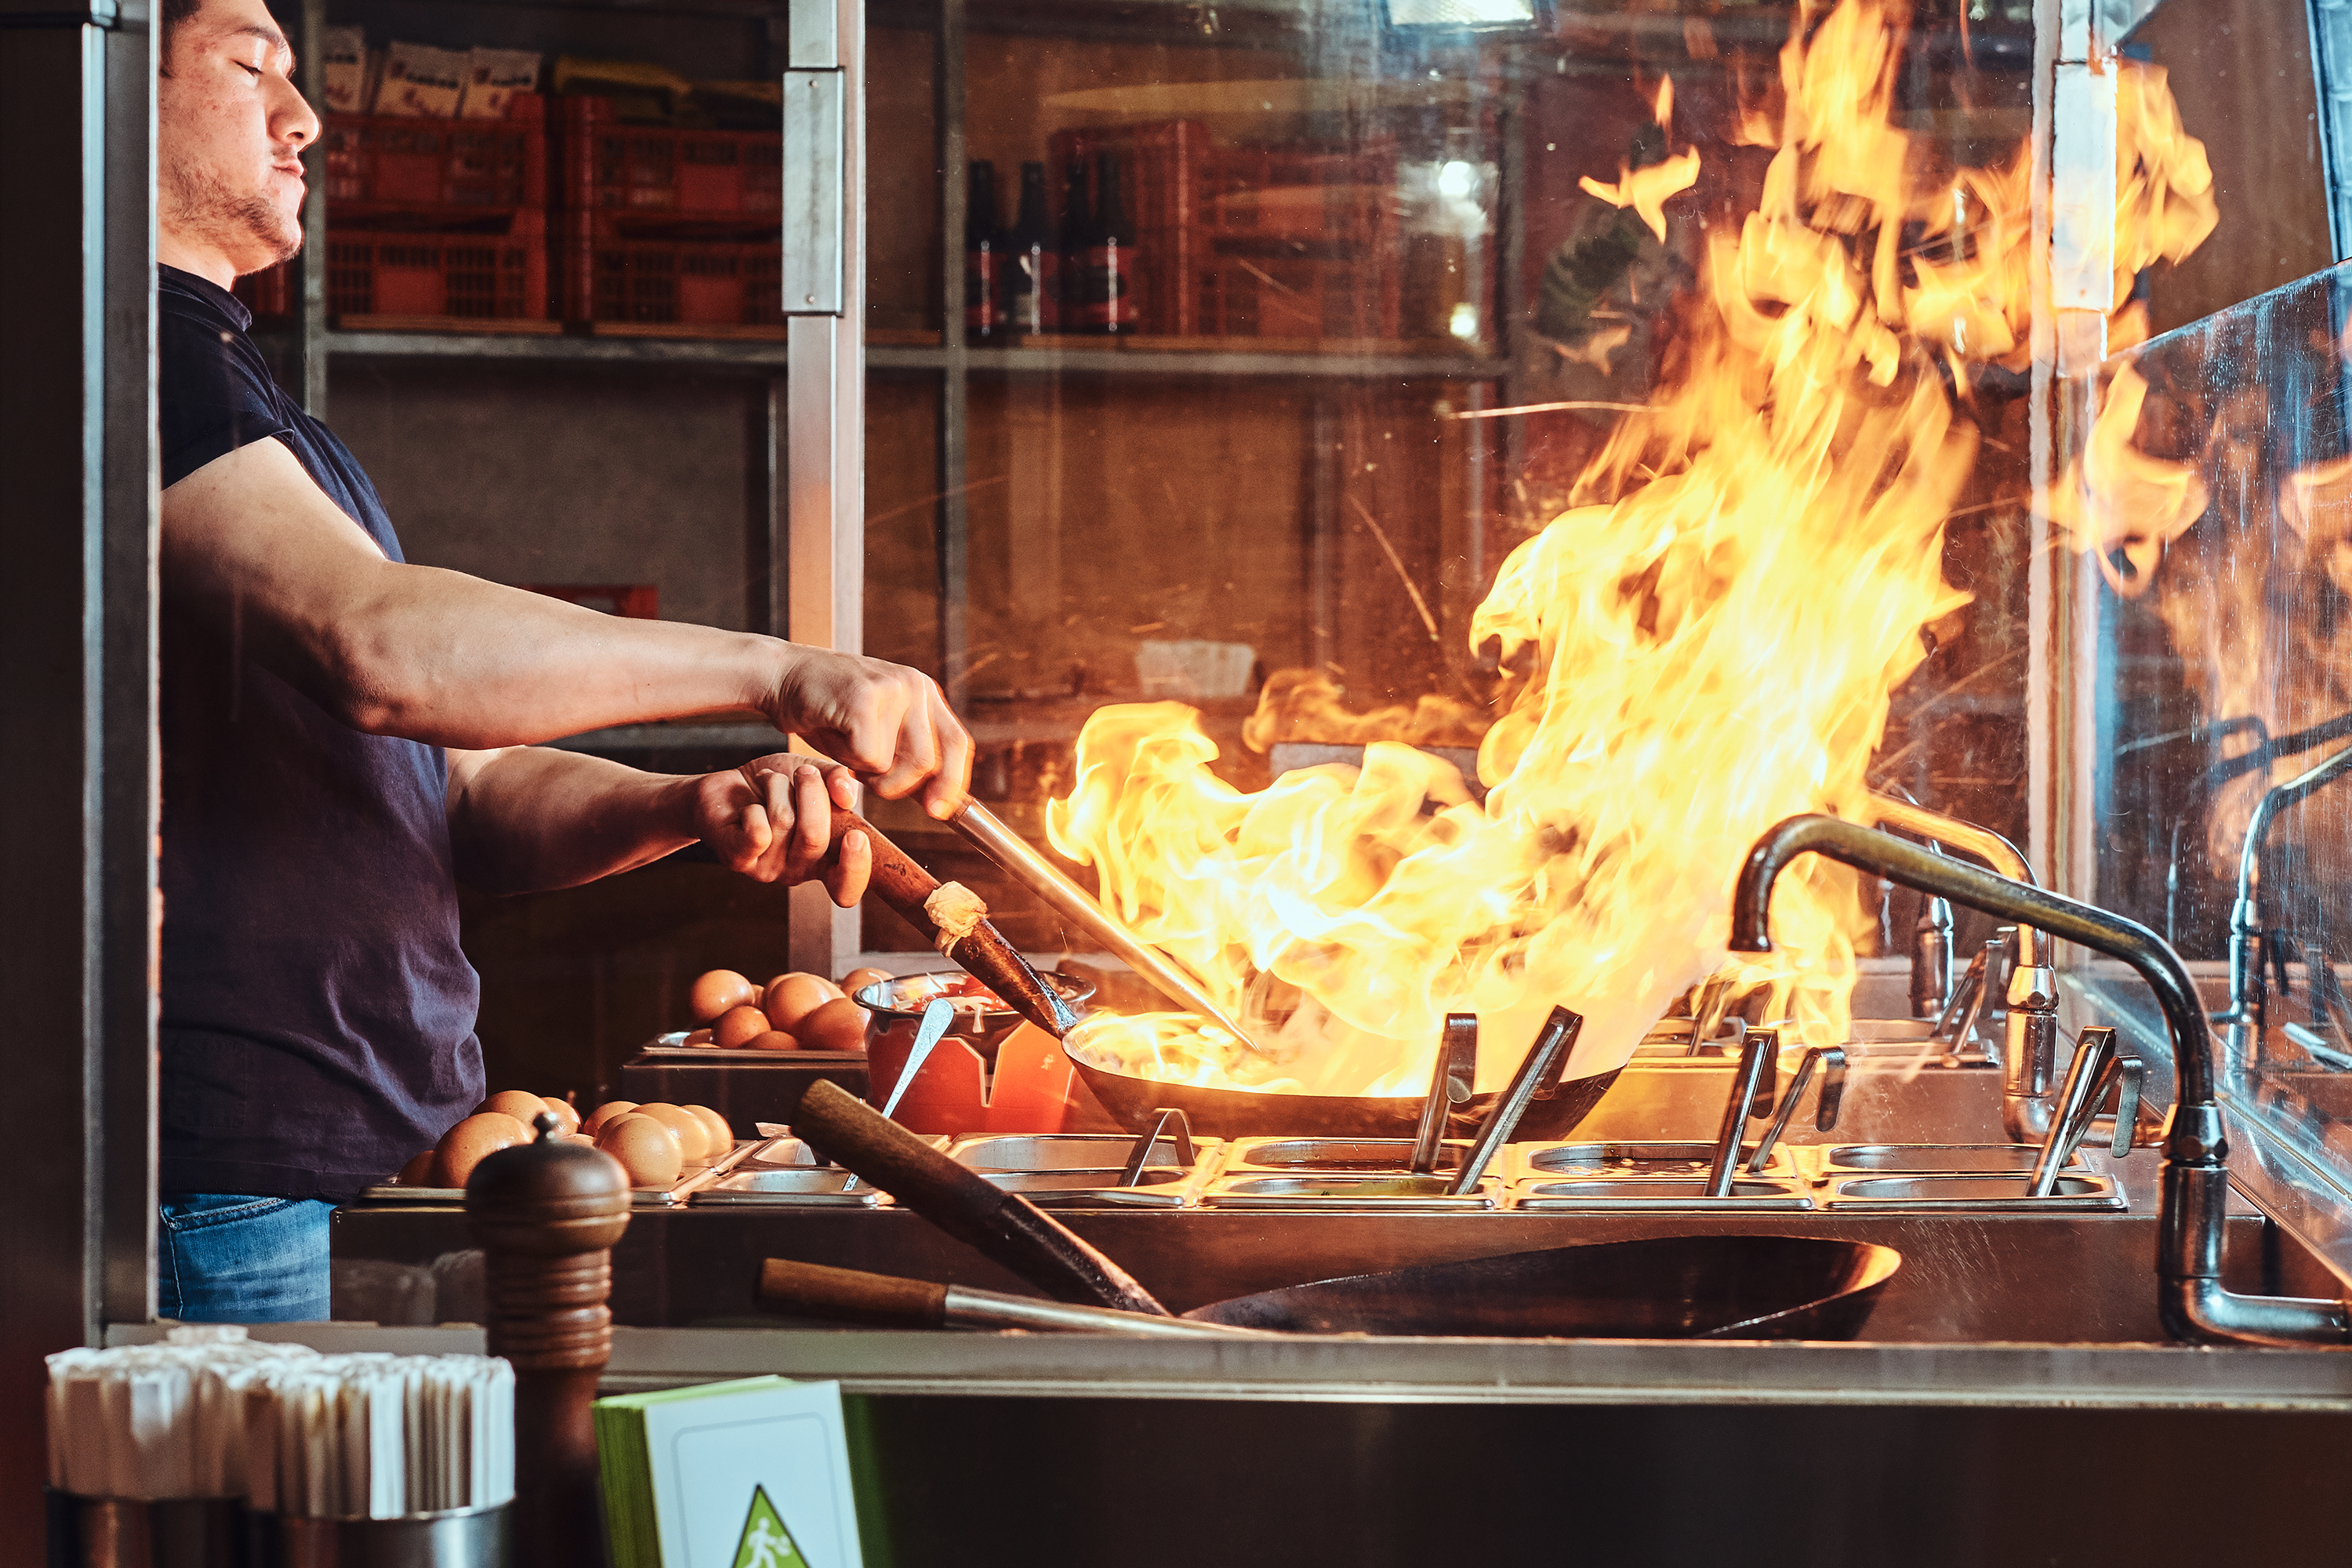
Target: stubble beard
{"points": [[248, 227]]}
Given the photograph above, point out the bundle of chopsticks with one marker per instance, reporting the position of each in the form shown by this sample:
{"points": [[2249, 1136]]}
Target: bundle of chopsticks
{"points": [[213, 1415]]}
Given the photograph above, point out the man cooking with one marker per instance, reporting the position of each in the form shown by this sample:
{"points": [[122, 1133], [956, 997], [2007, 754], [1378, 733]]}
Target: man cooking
{"points": [[345, 735]]}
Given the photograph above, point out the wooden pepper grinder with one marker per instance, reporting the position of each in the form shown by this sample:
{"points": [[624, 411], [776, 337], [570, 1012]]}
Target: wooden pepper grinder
{"points": [[546, 1215]]}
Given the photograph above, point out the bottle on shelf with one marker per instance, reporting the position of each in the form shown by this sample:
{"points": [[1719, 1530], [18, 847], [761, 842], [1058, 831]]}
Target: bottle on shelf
{"points": [[984, 296], [1106, 267], [1033, 275], [1072, 244]]}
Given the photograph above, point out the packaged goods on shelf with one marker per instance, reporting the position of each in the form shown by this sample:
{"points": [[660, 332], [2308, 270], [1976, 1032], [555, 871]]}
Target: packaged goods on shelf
{"points": [[347, 71], [421, 81], [494, 78]]}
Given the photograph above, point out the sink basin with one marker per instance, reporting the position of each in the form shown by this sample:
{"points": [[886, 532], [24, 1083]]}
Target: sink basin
{"points": [[817, 1188], [1056, 1151], [1370, 1154], [1639, 1195], [1342, 1191], [1051, 1187], [1972, 1194], [1941, 1158], [1668, 1158]]}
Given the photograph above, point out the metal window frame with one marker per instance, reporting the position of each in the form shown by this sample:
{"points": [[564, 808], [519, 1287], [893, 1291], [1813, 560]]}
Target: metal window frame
{"points": [[818, 415], [77, 736]]}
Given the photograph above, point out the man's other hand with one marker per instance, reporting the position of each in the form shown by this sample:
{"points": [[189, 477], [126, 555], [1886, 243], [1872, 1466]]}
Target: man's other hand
{"points": [[772, 819], [889, 724]]}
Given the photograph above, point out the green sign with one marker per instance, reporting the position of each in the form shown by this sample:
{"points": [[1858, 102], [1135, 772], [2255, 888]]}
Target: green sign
{"points": [[766, 1543]]}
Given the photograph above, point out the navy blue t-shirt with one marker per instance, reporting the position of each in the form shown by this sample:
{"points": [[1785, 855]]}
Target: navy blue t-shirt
{"points": [[318, 1013]]}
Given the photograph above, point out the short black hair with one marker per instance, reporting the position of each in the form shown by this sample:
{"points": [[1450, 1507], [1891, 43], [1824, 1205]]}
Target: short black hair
{"points": [[174, 13]]}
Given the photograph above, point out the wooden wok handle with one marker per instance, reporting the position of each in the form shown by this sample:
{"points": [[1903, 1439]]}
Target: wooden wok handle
{"points": [[852, 1295], [1002, 1226], [907, 887]]}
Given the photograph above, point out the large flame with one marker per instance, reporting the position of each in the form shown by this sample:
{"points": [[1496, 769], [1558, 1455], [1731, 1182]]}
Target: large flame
{"points": [[1708, 648]]}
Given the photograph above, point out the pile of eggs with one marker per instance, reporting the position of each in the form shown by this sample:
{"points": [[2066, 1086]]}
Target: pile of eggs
{"points": [[790, 1013], [655, 1143]]}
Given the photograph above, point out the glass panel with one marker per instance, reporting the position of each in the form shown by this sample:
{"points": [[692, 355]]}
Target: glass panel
{"points": [[1630, 411]]}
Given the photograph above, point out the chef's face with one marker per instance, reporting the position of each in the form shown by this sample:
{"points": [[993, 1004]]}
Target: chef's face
{"points": [[230, 128]]}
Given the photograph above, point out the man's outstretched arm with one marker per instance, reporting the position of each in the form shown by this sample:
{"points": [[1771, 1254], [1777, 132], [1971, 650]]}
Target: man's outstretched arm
{"points": [[526, 818], [256, 550]]}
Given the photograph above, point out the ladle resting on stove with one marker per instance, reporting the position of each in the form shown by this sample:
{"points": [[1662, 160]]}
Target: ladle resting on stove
{"points": [[1664, 1287]]}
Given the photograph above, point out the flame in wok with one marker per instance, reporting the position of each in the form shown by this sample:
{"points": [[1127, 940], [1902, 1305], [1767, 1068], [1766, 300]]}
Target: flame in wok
{"points": [[1709, 650]]}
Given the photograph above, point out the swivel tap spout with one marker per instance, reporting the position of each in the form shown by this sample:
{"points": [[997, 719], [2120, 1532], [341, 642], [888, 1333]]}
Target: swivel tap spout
{"points": [[2029, 1051], [2190, 1301], [2249, 1000]]}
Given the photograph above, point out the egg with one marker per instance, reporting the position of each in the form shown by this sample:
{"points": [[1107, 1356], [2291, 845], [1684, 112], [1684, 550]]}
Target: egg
{"points": [[700, 1037], [464, 1146], [838, 1025], [645, 1149], [857, 980], [791, 997], [693, 1137], [524, 1108], [606, 1112], [417, 1170], [565, 1114], [718, 991], [774, 1040], [722, 1137], [739, 1025]]}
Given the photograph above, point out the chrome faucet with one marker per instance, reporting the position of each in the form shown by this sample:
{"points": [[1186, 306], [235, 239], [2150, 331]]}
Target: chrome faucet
{"points": [[2249, 1000], [2029, 1055], [2190, 1301]]}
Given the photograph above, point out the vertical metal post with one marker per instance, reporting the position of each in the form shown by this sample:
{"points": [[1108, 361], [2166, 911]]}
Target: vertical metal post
{"points": [[2331, 69], [311, 310], [2074, 151], [130, 790], [77, 726], [2041, 567], [825, 381], [955, 513]]}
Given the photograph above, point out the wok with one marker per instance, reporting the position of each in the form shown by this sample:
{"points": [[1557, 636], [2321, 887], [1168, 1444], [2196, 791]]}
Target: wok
{"points": [[1667, 1288], [1135, 1103]]}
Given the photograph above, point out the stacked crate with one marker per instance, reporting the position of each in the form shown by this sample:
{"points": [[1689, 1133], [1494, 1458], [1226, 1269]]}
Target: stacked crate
{"points": [[429, 222], [437, 219], [669, 227], [1292, 241]]}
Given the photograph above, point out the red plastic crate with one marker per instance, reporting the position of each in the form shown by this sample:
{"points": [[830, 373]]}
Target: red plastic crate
{"points": [[632, 601], [377, 160], [608, 167], [685, 281], [478, 276], [268, 294]]}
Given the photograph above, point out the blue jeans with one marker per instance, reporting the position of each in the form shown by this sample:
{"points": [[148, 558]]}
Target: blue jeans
{"points": [[227, 1258]]}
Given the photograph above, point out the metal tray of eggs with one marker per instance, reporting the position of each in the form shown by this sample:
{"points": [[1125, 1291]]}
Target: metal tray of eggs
{"points": [[669, 1151], [805, 1013]]}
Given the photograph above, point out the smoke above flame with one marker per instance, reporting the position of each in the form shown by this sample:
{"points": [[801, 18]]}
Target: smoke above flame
{"points": [[1708, 648]]}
